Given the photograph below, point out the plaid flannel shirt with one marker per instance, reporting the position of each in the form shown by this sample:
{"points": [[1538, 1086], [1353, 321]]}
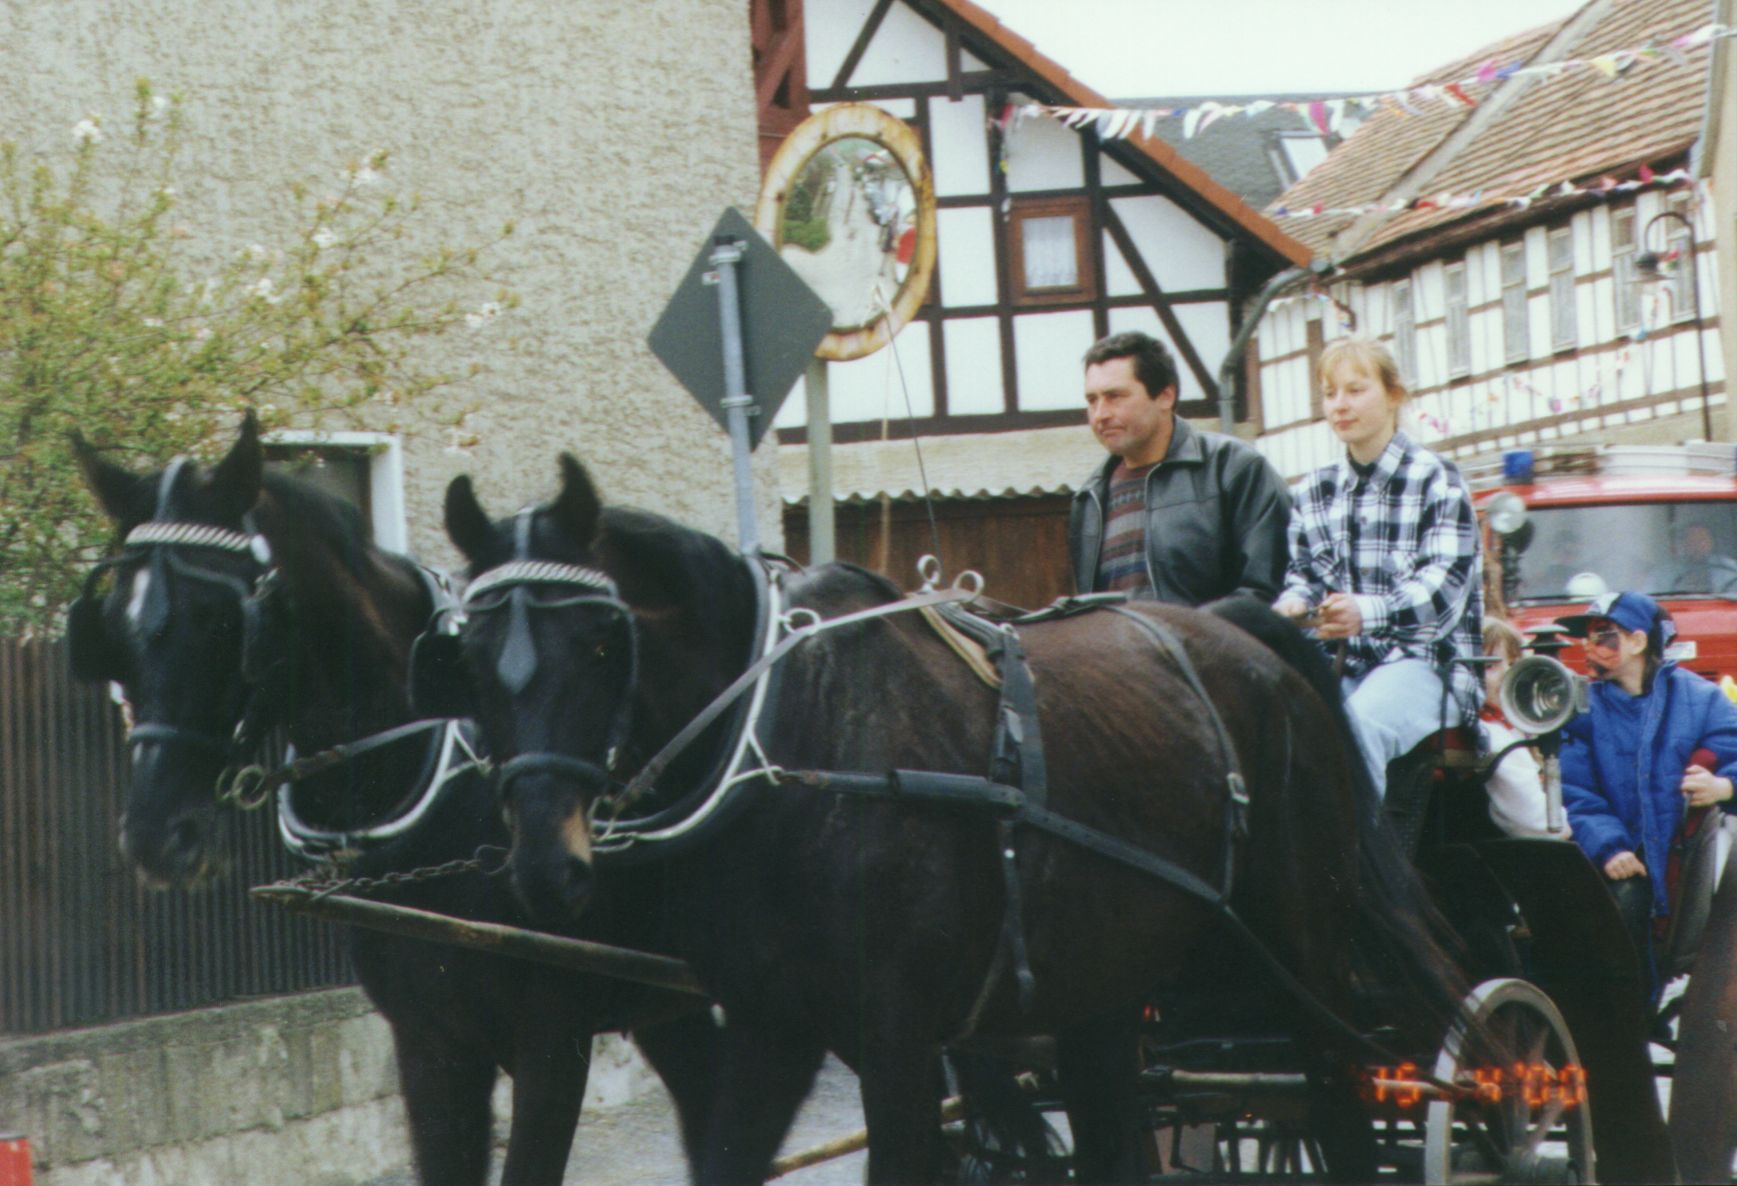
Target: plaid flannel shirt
{"points": [[1405, 543]]}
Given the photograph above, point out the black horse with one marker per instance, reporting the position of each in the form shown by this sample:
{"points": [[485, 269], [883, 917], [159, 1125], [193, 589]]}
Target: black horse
{"points": [[206, 631], [872, 924]]}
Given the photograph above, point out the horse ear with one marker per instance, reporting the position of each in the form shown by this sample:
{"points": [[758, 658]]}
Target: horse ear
{"points": [[235, 480], [123, 495], [577, 507], [467, 524]]}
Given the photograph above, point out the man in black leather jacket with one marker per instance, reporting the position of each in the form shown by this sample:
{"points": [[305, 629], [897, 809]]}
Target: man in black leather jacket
{"points": [[1173, 514]]}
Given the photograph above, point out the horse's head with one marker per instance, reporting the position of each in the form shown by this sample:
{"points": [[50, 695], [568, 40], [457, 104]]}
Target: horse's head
{"points": [[549, 650], [177, 630]]}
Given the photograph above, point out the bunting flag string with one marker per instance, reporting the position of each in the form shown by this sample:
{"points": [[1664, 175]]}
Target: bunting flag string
{"points": [[1327, 115], [1482, 197]]}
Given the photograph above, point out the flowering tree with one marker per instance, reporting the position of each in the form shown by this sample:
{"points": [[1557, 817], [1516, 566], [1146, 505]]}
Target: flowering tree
{"points": [[117, 321]]}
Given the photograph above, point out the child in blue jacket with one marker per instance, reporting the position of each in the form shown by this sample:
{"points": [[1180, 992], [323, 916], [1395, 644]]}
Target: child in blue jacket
{"points": [[1627, 768]]}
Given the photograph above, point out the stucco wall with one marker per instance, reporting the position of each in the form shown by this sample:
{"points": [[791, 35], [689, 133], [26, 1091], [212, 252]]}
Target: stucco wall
{"points": [[613, 132]]}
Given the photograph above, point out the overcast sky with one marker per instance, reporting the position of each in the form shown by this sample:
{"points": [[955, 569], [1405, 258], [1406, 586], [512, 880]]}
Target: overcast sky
{"points": [[1130, 48]]}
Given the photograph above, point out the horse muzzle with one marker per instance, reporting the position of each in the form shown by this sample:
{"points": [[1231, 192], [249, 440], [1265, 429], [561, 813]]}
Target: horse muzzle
{"points": [[546, 797], [168, 826]]}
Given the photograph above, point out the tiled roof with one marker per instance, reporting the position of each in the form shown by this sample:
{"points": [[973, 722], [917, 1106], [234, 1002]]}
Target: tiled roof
{"points": [[1236, 152], [1077, 94], [1388, 145], [1576, 126]]}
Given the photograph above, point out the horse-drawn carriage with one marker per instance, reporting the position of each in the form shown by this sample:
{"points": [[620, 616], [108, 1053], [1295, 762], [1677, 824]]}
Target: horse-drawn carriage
{"points": [[863, 841]]}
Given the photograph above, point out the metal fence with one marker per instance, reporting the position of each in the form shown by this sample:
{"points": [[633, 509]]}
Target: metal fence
{"points": [[81, 941]]}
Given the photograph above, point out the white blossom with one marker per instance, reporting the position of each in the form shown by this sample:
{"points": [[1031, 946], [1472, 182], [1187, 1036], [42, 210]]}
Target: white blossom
{"points": [[266, 291], [87, 131], [324, 238], [486, 313], [366, 176]]}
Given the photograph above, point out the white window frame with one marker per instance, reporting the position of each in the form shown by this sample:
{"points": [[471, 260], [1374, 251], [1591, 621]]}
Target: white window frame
{"points": [[1516, 328], [1677, 240], [1564, 315], [1623, 225], [1456, 311], [1404, 329], [385, 453]]}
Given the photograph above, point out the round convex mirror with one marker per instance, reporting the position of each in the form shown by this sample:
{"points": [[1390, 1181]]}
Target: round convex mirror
{"points": [[850, 206]]}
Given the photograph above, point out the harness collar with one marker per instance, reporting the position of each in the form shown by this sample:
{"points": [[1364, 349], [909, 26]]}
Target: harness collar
{"points": [[312, 843]]}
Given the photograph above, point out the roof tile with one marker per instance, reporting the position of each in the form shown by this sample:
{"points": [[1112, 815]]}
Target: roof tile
{"points": [[1572, 127]]}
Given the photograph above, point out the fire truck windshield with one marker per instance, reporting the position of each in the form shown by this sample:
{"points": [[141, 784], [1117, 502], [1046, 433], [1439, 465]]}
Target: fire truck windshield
{"points": [[1668, 549]]}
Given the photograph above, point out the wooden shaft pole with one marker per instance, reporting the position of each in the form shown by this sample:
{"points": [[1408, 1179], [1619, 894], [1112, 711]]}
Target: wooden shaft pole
{"points": [[579, 954]]}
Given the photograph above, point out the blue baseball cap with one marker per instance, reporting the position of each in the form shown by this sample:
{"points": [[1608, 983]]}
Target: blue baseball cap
{"points": [[1629, 611]]}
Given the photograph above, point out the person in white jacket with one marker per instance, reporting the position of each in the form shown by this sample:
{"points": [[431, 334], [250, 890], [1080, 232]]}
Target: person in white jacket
{"points": [[1515, 786]]}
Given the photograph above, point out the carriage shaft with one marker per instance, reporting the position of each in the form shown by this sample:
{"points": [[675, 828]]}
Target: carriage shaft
{"points": [[580, 955]]}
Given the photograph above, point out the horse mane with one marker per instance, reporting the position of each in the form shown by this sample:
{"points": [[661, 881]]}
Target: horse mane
{"points": [[1403, 941], [662, 559], [328, 555], [306, 508]]}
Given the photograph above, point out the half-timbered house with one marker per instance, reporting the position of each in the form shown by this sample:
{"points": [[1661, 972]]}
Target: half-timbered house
{"points": [[1540, 259], [1048, 238]]}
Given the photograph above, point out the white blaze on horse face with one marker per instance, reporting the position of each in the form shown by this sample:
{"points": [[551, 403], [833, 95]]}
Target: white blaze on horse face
{"points": [[136, 602], [576, 834]]}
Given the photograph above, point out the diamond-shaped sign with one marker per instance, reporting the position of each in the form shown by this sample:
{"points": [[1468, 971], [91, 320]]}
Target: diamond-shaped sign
{"points": [[782, 322]]}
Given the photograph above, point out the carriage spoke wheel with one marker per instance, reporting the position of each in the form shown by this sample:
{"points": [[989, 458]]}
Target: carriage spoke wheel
{"points": [[1531, 1122]]}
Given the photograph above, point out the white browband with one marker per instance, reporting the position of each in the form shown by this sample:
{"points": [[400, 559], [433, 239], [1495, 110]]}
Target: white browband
{"points": [[538, 572]]}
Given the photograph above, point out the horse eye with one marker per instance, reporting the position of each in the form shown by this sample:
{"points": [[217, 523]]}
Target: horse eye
{"points": [[600, 651]]}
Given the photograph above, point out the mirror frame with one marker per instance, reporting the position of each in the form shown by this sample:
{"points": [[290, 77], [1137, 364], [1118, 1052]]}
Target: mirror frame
{"points": [[857, 121]]}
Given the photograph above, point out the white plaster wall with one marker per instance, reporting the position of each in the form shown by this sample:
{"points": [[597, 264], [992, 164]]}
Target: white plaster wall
{"points": [[973, 357], [829, 28], [906, 48], [1044, 154], [574, 120], [1181, 253], [965, 259], [876, 386], [961, 152], [1047, 349]]}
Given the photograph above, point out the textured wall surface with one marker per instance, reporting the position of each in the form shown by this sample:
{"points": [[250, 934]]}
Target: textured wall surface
{"points": [[283, 1091], [613, 132]]}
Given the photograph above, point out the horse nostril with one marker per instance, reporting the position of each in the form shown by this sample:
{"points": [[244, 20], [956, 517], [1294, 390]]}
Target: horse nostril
{"points": [[577, 890], [186, 842]]}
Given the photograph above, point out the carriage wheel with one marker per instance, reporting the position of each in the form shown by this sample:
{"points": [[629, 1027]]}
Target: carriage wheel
{"points": [[1533, 1123]]}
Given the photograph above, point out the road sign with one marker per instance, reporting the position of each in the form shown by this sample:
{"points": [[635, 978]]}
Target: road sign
{"points": [[782, 321]]}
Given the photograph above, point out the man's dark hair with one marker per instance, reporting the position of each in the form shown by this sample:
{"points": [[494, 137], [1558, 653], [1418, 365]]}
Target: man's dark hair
{"points": [[1153, 365]]}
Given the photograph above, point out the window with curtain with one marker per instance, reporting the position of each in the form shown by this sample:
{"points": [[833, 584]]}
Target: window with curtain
{"points": [[1622, 270], [1049, 250], [1516, 344], [1404, 331], [1459, 329], [1564, 320]]}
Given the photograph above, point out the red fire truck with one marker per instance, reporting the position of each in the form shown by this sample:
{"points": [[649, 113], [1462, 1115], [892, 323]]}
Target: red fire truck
{"points": [[1564, 524]]}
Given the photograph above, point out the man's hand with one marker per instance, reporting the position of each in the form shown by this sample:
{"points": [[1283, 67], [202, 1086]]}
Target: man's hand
{"points": [[1339, 616], [1624, 864], [1703, 788], [1294, 608]]}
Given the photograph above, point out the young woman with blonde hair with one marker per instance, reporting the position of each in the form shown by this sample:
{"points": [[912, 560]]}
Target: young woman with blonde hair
{"points": [[1385, 562]]}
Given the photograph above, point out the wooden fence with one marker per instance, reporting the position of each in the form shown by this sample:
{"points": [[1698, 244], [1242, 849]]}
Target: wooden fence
{"points": [[81, 941]]}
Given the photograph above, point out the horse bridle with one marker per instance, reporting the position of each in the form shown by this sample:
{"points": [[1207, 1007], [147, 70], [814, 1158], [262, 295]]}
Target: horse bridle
{"points": [[163, 539], [516, 664]]}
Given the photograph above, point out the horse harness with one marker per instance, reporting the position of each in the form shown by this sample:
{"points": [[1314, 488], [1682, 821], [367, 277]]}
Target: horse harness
{"points": [[265, 615], [1014, 789]]}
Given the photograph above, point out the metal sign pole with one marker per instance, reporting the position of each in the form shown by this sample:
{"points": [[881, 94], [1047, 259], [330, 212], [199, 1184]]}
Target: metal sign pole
{"points": [[726, 254]]}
